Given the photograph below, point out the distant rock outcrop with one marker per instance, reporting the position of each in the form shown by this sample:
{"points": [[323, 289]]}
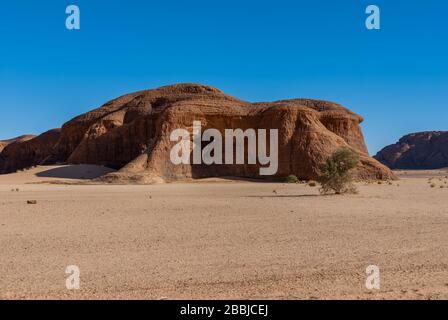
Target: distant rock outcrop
{"points": [[422, 150], [132, 133]]}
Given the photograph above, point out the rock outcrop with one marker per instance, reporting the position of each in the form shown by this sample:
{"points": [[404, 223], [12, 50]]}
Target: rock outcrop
{"points": [[25, 153], [422, 150], [132, 133], [4, 143]]}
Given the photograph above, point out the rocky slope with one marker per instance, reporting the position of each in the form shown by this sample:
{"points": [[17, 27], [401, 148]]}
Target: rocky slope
{"points": [[132, 133], [4, 143], [24, 153], [422, 150]]}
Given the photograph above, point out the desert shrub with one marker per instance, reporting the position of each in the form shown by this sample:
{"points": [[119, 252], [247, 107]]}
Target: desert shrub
{"points": [[312, 183], [291, 179], [335, 175]]}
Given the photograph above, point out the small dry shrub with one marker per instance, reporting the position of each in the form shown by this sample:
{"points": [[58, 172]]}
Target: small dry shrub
{"points": [[335, 173], [291, 179]]}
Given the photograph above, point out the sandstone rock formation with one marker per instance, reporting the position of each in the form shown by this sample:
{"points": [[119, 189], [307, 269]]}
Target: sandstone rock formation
{"points": [[4, 143], [132, 133], [24, 153], [423, 150]]}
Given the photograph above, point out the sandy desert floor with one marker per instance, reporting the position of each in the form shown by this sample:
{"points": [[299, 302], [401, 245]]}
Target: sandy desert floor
{"points": [[222, 239]]}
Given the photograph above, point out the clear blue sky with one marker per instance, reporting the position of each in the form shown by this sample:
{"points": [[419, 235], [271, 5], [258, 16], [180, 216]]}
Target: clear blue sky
{"points": [[397, 78]]}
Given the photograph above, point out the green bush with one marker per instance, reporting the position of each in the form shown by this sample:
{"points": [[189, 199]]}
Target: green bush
{"points": [[291, 179], [335, 175]]}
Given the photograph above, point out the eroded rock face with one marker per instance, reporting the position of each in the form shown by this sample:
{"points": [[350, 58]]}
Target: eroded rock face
{"points": [[132, 133], [27, 152], [423, 150], [4, 143]]}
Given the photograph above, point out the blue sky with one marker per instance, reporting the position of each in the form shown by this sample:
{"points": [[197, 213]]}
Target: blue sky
{"points": [[396, 77]]}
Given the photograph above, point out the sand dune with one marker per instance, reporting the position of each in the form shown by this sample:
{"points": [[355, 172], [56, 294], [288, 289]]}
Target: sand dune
{"points": [[221, 240]]}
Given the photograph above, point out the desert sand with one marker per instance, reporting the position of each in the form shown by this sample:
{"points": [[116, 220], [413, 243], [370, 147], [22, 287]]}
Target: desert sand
{"points": [[220, 239]]}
